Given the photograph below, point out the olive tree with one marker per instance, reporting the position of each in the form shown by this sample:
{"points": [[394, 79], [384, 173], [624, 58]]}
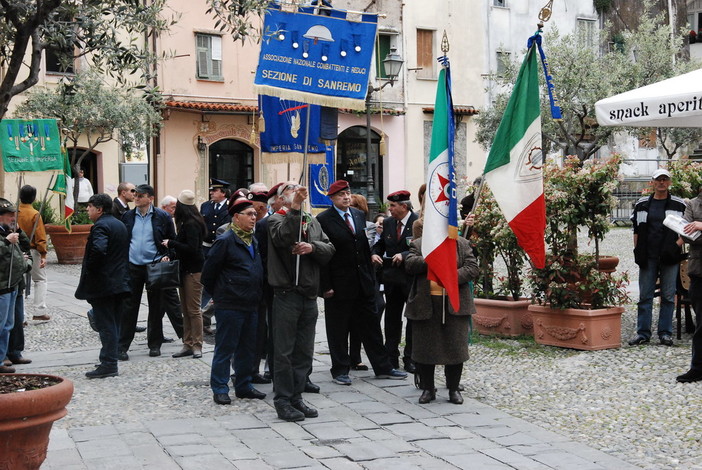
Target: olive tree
{"points": [[584, 75], [87, 107], [109, 34]]}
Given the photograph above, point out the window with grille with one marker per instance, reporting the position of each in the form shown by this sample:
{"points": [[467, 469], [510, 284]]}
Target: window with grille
{"points": [[209, 57], [426, 58], [587, 33]]}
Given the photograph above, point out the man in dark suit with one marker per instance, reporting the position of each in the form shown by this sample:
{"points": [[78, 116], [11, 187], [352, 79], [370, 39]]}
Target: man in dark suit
{"points": [[125, 195], [147, 227], [390, 253], [348, 287], [104, 279], [216, 213]]}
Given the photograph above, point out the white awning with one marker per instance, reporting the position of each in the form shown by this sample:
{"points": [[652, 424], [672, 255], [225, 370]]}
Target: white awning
{"points": [[675, 102]]}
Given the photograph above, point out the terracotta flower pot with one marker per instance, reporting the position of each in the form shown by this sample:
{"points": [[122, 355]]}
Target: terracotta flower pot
{"points": [[26, 419], [608, 264], [575, 328], [69, 246], [503, 317]]}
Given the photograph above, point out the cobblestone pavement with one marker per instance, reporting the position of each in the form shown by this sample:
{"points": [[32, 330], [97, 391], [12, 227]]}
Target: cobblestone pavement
{"points": [[527, 407]]}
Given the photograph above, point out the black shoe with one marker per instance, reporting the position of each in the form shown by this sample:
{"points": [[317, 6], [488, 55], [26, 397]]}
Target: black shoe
{"points": [[666, 340], [168, 340], [310, 387], [455, 397], [638, 339], [306, 410], [222, 399], [19, 360], [186, 351], [427, 396], [360, 366], [123, 356], [267, 375], [252, 394], [394, 374], [410, 367], [140, 329], [101, 372], [259, 379], [286, 412], [691, 375], [155, 352]]}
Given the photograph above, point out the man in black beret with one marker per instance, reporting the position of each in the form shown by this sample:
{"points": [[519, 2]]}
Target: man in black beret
{"points": [[390, 253], [348, 288]]}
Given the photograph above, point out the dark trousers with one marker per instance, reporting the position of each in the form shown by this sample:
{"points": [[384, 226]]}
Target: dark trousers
{"points": [[262, 331], [16, 342], [294, 320], [235, 337], [696, 300], [154, 329], [107, 312], [355, 337], [452, 371], [171, 305], [395, 298], [339, 315]]}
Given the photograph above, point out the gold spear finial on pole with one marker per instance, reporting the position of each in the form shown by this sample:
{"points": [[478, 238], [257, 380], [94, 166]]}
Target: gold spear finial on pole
{"points": [[444, 43], [545, 13]]}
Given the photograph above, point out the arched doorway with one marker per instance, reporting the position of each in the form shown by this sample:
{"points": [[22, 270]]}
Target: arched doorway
{"points": [[351, 163], [232, 161]]}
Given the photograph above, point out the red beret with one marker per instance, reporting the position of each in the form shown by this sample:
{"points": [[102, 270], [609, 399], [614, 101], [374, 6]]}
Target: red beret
{"points": [[239, 205], [337, 186], [258, 197], [399, 196], [274, 190]]}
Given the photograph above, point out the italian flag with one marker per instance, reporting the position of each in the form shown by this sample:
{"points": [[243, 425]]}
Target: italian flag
{"points": [[513, 167], [440, 205], [61, 186]]}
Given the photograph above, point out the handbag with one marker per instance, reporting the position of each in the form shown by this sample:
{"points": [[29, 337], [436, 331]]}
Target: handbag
{"points": [[162, 274]]}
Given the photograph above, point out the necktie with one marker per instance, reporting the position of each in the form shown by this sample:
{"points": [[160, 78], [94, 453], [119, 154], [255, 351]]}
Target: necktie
{"points": [[399, 229], [348, 222], [216, 206]]}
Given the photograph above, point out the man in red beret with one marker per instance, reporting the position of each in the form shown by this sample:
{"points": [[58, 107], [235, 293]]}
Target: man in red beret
{"points": [[297, 249], [348, 287], [390, 253]]}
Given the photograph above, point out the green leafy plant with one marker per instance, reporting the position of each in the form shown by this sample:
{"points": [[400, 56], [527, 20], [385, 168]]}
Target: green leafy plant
{"points": [[578, 195], [80, 217], [686, 177], [493, 237], [48, 214]]}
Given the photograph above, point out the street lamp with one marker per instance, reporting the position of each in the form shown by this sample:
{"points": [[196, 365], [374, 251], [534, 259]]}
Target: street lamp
{"points": [[391, 65]]}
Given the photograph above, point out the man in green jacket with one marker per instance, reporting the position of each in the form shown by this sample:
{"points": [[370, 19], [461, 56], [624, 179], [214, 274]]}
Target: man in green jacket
{"points": [[14, 263]]}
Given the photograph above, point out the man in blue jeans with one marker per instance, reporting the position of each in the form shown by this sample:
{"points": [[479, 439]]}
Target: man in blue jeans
{"points": [[657, 252], [233, 274]]}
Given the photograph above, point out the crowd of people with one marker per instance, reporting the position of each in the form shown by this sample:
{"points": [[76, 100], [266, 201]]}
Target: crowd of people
{"points": [[257, 262]]}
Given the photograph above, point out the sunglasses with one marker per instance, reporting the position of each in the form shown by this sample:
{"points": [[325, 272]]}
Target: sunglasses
{"points": [[662, 178], [132, 190]]}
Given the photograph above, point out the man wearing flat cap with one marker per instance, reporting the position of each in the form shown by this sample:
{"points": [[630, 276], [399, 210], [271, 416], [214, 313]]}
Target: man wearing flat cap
{"points": [[657, 251], [14, 264], [147, 227], [390, 253], [297, 250], [233, 274], [348, 288]]}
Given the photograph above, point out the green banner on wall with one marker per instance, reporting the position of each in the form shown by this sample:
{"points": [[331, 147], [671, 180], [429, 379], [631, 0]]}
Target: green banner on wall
{"points": [[30, 145]]}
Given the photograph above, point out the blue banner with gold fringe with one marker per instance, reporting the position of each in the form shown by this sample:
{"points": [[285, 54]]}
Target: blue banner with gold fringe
{"points": [[321, 176], [316, 59]]}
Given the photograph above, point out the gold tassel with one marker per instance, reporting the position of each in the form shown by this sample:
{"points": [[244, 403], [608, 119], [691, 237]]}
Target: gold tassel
{"points": [[383, 146]]}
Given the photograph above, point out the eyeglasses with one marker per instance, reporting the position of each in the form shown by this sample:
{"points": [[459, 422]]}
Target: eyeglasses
{"points": [[132, 190], [248, 213], [662, 178]]}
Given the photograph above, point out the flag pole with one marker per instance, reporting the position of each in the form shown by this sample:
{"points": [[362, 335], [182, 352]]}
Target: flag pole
{"points": [[302, 179]]}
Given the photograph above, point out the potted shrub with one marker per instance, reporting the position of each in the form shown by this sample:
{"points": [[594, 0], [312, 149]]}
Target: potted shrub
{"points": [[69, 238], [576, 304], [500, 307], [29, 405]]}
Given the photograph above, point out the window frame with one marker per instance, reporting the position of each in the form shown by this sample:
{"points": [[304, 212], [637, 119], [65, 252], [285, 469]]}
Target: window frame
{"points": [[212, 69]]}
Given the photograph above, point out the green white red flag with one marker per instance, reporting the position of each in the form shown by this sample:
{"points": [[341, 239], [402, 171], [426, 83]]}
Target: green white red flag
{"points": [[440, 205], [514, 166]]}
